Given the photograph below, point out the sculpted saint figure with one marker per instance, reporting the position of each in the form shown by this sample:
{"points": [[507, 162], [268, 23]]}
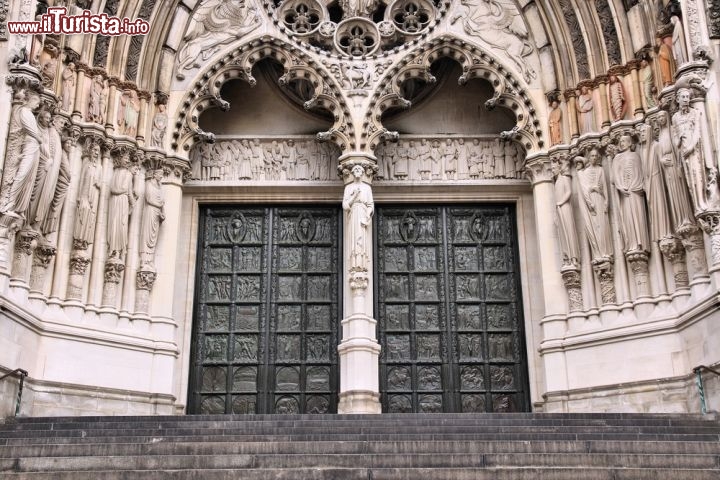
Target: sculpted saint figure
{"points": [[159, 125], [95, 111], [246, 160], [628, 179], [678, 41], [647, 77], [24, 149], [47, 173], [52, 220], [691, 137], [659, 218], [462, 159], [69, 78], [450, 155], [152, 217], [555, 123], [402, 162], [567, 232], [593, 203], [88, 195], [474, 159], [128, 113], [214, 24], [122, 199], [359, 208], [424, 157], [586, 110], [672, 167], [498, 149], [618, 103], [666, 60]]}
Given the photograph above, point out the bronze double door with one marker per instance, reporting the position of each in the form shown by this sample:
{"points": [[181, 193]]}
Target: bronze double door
{"points": [[266, 311], [449, 311]]}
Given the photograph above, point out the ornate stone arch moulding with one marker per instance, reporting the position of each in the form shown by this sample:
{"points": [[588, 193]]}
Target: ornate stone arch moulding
{"points": [[510, 91], [205, 91]]}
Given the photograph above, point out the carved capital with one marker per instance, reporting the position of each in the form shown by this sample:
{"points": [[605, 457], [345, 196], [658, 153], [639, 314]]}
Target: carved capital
{"points": [[604, 270], [710, 223], [80, 244], [79, 264], [672, 249], [113, 271], [573, 283], [638, 260], [26, 241], [44, 255], [359, 280], [145, 279], [24, 77], [538, 170], [370, 168]]}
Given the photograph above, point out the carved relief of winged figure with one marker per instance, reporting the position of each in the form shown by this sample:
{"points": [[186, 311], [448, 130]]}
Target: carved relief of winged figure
{"points": [[499, 25], [214, 24]]}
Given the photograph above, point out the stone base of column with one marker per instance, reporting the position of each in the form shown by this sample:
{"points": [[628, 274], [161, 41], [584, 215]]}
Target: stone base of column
{"points": [[25, 244], [672, 249], [144, 281], [573, 284], [359, 402]]}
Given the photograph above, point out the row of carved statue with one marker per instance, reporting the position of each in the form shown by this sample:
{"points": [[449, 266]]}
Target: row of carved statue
{"points": [[36, 185], [658, 183], [621, 91], [270, 159], [265, 160]]}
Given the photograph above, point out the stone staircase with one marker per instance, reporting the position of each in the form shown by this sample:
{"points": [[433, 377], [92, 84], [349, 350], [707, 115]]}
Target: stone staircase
{"points": [[368, 447]]}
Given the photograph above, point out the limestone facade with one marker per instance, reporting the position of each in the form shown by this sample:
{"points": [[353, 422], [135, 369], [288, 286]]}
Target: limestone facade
{"points": [[598, 121]]}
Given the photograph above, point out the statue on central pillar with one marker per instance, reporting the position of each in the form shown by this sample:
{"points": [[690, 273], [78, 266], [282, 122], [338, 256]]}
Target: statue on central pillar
{"points": [[359, 207]]}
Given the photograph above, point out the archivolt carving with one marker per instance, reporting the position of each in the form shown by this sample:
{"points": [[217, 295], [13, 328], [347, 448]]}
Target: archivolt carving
{"points": [[509, 91], [298, 66]]}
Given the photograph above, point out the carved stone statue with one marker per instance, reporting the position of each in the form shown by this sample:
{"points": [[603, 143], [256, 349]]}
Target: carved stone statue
{"points": [[658, 214], [423, 157], [402, 163], [677, 188], [246, 160], [128, 113], [586, 110], [450, 154], [47, 173], [52, 220], [24, 149], [462, 160], [498, 150], [96, 111], [691, 137], [555, 123], [567, 232], [214, 24], [593, 202], [88, 195], [678, 41], [159, 126], [647, 77], [358, 8], [359, 207], [666, 60], [69, 79], [618, 102], [152, 217], [628, 180], [122, 199]]}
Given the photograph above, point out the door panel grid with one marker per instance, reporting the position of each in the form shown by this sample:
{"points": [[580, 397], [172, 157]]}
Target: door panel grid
{"points": [[448, 310], [265, 331]]}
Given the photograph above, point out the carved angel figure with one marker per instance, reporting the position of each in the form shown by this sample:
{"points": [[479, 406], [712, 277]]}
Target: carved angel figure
{"points": [[499, 25], [214, 24]]}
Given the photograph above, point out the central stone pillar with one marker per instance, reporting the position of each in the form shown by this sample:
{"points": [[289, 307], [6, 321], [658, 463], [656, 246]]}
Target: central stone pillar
{"points": [[359, 350]]}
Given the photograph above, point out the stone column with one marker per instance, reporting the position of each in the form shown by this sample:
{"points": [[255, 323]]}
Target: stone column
{"points": [[572, 112], [638, 261], [359, 350], [602, 82], [637, 95], [80, 102], [554, 323], [710, 223]]}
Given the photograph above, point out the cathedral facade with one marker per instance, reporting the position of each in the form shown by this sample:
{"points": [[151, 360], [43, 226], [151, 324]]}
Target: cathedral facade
{"points": [[364, 206]]}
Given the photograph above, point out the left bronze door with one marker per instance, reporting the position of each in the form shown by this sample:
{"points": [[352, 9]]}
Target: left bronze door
{"points": [[265, 324]]}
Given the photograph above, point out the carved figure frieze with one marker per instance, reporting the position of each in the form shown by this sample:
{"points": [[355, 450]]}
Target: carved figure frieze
{"points": [[449, 158], [267, 159]]}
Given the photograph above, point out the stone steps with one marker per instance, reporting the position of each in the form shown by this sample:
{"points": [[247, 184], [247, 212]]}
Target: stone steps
{"points": [[367, 447]]}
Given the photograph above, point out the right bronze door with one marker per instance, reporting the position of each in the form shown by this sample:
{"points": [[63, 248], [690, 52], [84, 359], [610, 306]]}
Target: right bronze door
{"points": [[449, 310]]}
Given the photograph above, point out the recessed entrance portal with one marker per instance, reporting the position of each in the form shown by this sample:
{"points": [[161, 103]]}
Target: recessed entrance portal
{"points": [[266, 311], [449, 310]]}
